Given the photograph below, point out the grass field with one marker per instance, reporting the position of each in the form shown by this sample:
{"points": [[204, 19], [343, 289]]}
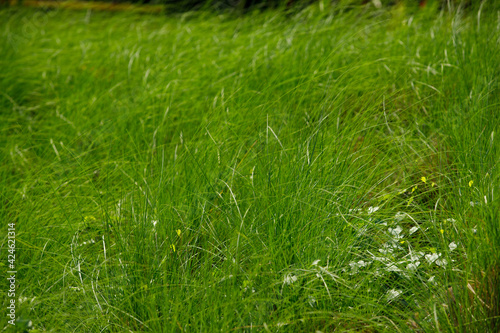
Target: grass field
{"points": [[333, 169]]}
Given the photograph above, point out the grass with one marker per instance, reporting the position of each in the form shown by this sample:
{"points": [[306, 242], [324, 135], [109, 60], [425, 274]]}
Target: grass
{"points": [[86, 5], [332, 169]]}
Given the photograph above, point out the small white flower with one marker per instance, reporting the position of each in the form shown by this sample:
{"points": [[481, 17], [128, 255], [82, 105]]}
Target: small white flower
{"points": [[386, 250], [396, 232], [392, 294], [395, 244], [315, 262], [431, 257], [381, 259], [311, 300], [372, 210], [392, 268], [416, 255], [289, 279], [355, 266], [154, 223], [413, 266], [452, 246], [441, 262], [399, 216], [413, 230], [362, 231]]}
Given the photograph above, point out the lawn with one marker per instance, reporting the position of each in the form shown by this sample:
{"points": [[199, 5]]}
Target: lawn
{"points": [[329, 169]]}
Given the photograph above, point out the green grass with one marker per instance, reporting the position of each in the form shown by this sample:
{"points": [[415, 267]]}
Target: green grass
{"points": [[171, 174]]}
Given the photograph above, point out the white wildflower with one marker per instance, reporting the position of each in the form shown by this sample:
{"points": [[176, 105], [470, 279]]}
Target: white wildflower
{"points": [[362, 231], [311, 300], [392, 268], [392, 294], [413, 230], [416, 255], [396, 232], [375, 258], [386, 250], [372, 209], [289, 279], [315, 262], [441, 262], [431, 257], [413, 266], [399, 216], [355, 266], [452, 246]]}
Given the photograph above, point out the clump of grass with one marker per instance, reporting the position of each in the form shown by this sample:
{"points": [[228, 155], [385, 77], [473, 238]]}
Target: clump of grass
{"points": [[328, 169]]}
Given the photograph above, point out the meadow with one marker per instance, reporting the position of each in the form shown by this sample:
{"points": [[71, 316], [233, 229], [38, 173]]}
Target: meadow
{"points": [[328, 169]]}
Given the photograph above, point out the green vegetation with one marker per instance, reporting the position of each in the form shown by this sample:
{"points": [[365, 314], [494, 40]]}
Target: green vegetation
{"points": [[333, 169]]}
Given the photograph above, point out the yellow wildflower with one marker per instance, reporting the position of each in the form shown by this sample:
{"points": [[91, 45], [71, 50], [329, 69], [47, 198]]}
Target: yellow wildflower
{"points": [[178, 232], [89, 219], [470, 183], [424, 179], [172, 247]]}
